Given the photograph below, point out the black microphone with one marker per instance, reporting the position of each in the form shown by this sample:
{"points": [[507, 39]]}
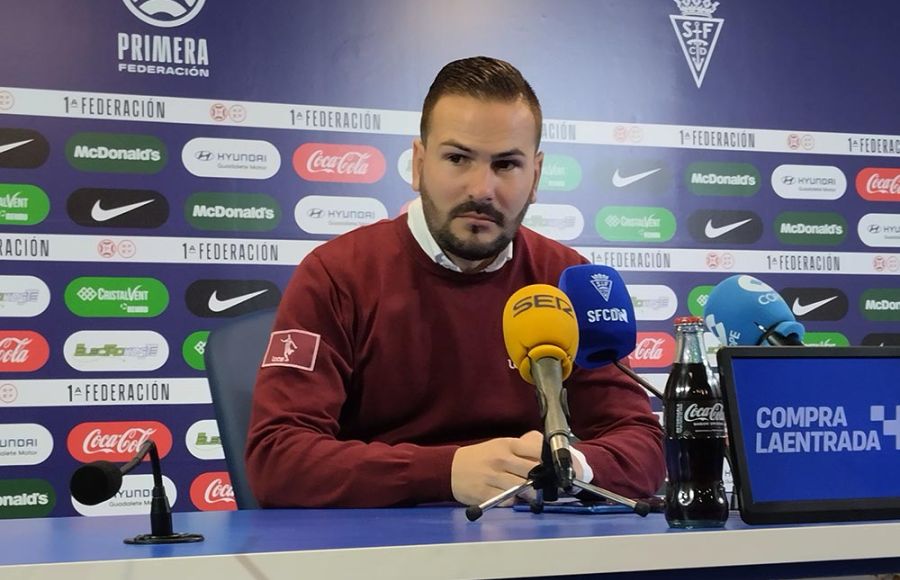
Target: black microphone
{"points": [[98, 481]]}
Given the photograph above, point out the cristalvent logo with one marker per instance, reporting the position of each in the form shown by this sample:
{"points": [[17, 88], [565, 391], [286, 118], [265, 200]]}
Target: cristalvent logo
{"points": [[22, 204], [825, 429], [160, 54], [115, 297], [635, 224], [697, 32], [116, 153]]}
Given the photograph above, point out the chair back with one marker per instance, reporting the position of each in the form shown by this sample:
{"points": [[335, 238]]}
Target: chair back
{"points": [[233, 354]]}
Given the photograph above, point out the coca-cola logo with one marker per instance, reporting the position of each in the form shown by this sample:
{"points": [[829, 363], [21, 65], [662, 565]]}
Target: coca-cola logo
{"points": [[708, 414], [116, 441], [652, 350], [879, 183], [212, 491], [340, 163], [22, 351]]}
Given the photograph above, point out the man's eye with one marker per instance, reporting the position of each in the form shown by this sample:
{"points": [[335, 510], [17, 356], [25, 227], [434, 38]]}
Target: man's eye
{"points": [[456, 158], [506, 164]]}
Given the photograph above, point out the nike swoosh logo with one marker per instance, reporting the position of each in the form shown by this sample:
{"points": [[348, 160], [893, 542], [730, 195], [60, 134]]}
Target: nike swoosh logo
{"points": [[803, 309], [714, 232], [104, 215], [217, 305], [11, 146], [620, 181]]}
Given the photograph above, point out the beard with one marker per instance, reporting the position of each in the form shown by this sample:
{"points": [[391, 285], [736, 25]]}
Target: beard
{"points": [[471, 249]]}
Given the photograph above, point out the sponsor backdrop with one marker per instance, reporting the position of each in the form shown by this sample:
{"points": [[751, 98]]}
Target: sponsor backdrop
{"points": [[164, 164]]}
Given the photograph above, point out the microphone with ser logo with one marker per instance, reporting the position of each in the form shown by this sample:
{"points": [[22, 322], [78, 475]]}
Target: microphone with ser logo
{"points": [[541, 337]]}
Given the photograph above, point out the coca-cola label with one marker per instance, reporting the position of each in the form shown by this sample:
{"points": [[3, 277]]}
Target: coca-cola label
{"points": [[212, 491], [339, 163], [116, 441], [22, 351], [652, 350], [697, 418], [879, 183]]}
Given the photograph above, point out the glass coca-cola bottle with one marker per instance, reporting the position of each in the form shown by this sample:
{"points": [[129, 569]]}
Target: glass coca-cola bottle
{"points": [[695, 434]]}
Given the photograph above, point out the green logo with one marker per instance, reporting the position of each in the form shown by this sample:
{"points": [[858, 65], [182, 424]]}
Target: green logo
{"points": [[560, 173], [618, 223], [814, 228], [706, 178], [22, 205], [26, 498], [116, 153], [697, 299], [880, 304], [193, 348], [254, 212], [825, 339], [116, 297]]}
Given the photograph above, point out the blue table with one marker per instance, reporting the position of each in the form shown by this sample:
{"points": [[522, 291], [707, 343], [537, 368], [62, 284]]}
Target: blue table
{"points": [[436, 542]]}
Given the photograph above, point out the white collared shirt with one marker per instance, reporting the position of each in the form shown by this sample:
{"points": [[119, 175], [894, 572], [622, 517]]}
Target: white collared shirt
{"points": [[415, 218]]}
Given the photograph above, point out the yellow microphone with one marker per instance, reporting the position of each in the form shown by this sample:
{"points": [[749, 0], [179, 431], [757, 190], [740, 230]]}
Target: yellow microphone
{"points": [[541, 336]]}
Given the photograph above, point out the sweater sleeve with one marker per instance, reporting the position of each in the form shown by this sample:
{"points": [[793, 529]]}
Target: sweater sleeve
{"points": [[294, 456], [619, 434]]}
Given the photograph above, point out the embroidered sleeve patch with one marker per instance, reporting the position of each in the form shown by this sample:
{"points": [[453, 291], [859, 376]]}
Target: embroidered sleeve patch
{"points": [[292, 348]]}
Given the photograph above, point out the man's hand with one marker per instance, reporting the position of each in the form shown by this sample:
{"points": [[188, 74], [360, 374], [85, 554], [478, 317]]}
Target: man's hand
{"points": [[484, 470]]}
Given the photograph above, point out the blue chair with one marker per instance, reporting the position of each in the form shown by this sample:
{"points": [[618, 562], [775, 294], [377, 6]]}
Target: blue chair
{"points": [[233, 354]]}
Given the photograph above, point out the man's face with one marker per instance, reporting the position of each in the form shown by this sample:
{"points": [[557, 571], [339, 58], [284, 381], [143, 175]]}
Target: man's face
{"points": [[477, 174]]}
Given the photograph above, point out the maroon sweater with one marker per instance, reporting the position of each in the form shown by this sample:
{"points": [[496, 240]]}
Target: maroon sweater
{"points": [[410, 366]]}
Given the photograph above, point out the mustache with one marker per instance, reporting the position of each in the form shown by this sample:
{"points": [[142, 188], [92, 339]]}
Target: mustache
{"points": [[484, 208]]}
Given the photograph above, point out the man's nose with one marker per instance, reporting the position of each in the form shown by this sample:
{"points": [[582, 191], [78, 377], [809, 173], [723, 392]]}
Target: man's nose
{"points": [[483, 182]]}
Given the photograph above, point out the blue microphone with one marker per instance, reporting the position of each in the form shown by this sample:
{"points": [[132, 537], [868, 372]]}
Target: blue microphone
{"points": [[607, 330], [742, 310]]}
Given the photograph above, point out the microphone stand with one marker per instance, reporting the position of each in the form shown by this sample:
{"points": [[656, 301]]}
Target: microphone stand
{"points": [[555, 470], [160, 510], [543, 478]]}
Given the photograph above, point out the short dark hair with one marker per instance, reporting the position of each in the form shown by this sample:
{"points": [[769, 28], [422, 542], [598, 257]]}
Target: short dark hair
{"points": [[485, 78]]}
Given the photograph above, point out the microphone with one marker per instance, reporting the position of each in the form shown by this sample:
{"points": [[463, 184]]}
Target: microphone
{"points": [[607, 330], [742, 310], [541, 337], [98, 481]]}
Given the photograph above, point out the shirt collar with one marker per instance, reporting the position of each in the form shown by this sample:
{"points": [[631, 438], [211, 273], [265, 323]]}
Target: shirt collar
{"points": [[415, 219]]}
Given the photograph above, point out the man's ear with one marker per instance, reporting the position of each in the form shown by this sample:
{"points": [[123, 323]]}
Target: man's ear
{"points": [[538, 167], [418, 161]]}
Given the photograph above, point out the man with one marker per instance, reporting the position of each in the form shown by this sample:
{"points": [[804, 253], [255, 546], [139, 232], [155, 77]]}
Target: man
{"points": [[399, 390]]}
